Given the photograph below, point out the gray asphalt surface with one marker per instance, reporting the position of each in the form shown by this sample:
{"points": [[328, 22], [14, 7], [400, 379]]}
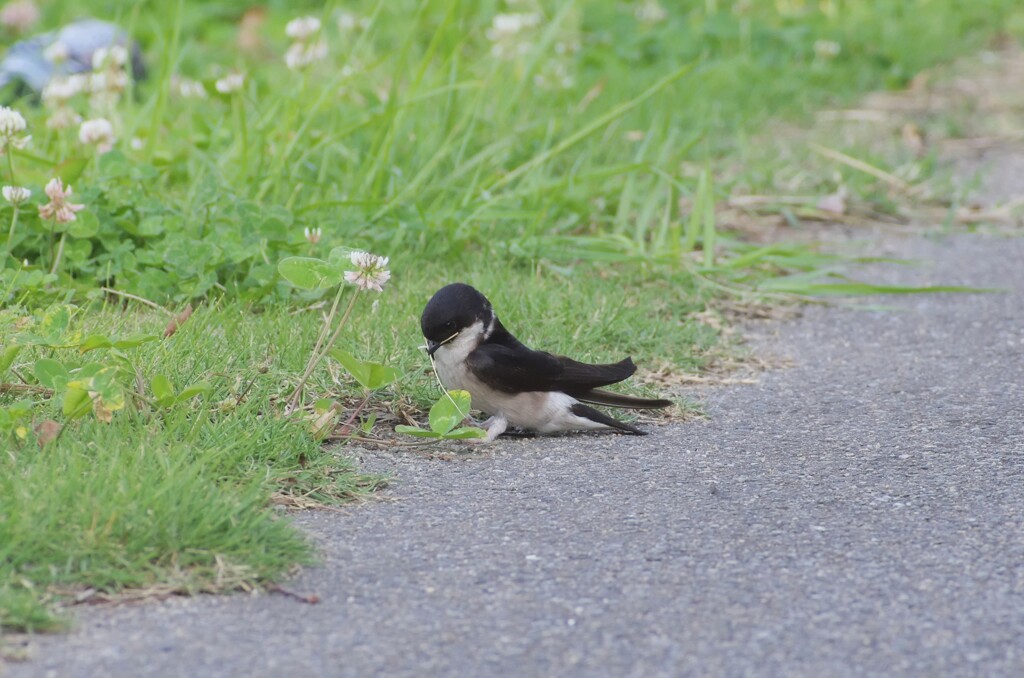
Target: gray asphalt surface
{"points": [[861, 513]]}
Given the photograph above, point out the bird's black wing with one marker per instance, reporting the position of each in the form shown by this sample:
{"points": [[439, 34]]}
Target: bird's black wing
{"points": [[515, 368]]}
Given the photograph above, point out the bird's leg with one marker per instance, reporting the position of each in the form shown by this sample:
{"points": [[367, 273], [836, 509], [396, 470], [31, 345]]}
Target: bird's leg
{"points": [[494, 426]]}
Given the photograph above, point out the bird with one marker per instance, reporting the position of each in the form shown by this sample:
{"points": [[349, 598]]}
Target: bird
{"points": [[533, 390]]}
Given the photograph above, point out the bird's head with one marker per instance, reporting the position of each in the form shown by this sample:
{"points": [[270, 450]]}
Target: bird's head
{"points": [[454, 311]]}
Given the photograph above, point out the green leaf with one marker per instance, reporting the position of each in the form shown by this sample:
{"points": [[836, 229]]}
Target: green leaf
{"points": [[370, 375], [7, 357], [323, 404], [442, 425], [93, 342], [192, 391], [162, 389], [105, 384], [466, 433], [11, 415], [77, 402], [54, 323], [50, 373], [310, 273], [416, 431], [101, 388], [53, 329], [449, 410], [85, 225], [137, 340], [150, 226], [87, 371], [70, 169]]}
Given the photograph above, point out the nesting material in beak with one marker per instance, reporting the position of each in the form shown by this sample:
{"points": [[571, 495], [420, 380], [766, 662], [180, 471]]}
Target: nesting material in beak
{"points": [[432, 346]]}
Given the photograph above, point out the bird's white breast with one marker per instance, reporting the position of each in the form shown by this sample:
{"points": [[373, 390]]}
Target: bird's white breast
{"points": [[450, 359]]}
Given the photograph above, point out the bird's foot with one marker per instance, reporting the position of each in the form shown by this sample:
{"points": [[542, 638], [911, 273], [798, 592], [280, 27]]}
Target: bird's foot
{"points": [[494, 426]]}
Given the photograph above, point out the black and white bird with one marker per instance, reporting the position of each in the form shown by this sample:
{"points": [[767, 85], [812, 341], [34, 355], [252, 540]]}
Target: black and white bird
{"points": [[516, 385]]}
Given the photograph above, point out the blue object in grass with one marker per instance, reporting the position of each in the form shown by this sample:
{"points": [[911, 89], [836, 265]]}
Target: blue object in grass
{"points": [[25, 70]]}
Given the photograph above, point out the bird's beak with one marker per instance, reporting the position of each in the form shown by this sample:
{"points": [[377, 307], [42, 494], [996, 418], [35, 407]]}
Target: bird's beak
{"points": [[432, 346]]}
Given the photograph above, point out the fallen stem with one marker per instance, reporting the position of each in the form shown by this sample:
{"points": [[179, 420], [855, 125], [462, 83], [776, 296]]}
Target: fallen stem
{"points": [[355, 413], [26, 388], [141, 300], [311, 599]]}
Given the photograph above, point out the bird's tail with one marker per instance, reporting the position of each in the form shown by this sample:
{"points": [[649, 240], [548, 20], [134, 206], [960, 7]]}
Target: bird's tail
{"points": [[587, 412], [599, 396]]}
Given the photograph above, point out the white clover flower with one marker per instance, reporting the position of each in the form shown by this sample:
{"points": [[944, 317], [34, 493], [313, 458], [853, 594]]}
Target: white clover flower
{"points": [[59, 209], [99, 133], [300, 54], [19, 15], [302, 28], [63, 118], [312, 234], [563, 47], [11, 124], [827, 49], [650, 11], [56, 53], [232, 82], [187, 88], [115, 56], [137, 144], [59, 90], [507, 25], [16, 194], [109, 81], [347, 21], [554, 75], [80, 81], [371, 273], [505, 32]]}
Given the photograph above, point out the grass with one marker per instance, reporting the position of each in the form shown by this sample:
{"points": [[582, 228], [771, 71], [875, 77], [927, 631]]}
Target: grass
{"points": [[552, 180]]}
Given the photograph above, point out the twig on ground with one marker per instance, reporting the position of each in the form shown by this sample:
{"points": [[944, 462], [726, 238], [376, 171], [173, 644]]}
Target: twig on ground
{"points": [[311, 599], [26, 388]]}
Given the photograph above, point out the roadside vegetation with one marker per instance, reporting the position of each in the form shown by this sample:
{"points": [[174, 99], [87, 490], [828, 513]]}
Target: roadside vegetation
{"points": [[185, 316]]}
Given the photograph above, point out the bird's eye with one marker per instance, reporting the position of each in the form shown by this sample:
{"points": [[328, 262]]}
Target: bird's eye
{"points": [[450, 324]]}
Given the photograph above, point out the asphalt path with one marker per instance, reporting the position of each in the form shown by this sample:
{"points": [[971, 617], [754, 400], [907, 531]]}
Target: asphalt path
{"points": [[860, 513]]}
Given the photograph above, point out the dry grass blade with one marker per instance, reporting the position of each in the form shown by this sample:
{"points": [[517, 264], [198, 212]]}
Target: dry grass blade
{"points": [[741, 201], [860, 165], [1003, 212], [294, 502], [854, 115]]}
